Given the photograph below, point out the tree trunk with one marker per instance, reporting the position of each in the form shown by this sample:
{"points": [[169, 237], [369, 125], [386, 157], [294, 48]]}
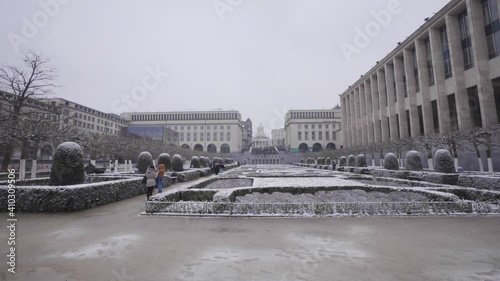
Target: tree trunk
{"points": [[490, 162], [431, 164], [7, 155]]}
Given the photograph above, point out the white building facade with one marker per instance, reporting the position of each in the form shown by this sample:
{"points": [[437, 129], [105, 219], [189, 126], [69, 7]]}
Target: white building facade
{"points": [[313, 130], [209, 131], [443, 77], [278, 137]]}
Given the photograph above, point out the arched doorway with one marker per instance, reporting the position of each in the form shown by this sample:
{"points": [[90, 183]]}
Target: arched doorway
{"points": [[185, 146], [317, 147], [303, 147], [331, 146], [198, 147], [211, 148], [225, 148]]}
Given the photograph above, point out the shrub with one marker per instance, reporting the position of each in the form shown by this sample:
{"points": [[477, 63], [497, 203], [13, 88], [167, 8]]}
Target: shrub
{"points": [[342, 161], [177, 165], [203, 162], [391, 162], [67, 166], [195, 162], [302, 160], [228, 161], [351, 161], [361, 161], [444, 162], [144, 160], [165, 159], [413, 161], [328, 161]]}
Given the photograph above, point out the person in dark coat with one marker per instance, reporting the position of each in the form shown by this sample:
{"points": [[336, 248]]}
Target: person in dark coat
{"points": [[216, 169]]}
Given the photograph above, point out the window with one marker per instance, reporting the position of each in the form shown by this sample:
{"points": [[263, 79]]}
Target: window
{"points": [[222, 127], [195, 136], [420, 119], [208, 136], [466, 42], [405, 84], [435, 116], [327, 135], [326, 126], [306, 136], [221, 136], [228, 136], [299, 137], [415, 70], [475, 107], [313, 126], [182, 128], [446, 52], [452, 105], [306, 127], [320, 136], [175, 128], [228, 127], [182, 136], [491, 27], [201, 127], [208, 127], [299, 127], [334, 136], [215, 136], [430, 68], [313, 135]]}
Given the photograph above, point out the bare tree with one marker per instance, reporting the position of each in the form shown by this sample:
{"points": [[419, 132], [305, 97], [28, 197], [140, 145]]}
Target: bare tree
{"points": [[34, 79]]}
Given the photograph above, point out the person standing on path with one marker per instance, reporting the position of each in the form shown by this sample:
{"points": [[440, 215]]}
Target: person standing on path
{"points": [[151, 176], [159, 179]]}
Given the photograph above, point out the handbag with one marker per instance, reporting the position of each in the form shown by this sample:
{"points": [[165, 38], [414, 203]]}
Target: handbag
{"points": [[144, 179]]}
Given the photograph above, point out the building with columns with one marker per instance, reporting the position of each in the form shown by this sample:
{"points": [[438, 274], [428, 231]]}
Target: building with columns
{"points": [[443, 77], [278, 137], [261, 140], [313, 130], [209, 131]]}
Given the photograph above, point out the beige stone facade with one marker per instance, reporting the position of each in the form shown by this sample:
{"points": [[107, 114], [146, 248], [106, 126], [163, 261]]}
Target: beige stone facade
{"points": [[443, 77]]}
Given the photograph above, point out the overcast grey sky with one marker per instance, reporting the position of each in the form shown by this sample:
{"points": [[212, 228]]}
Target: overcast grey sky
{"points": [[261, 57]]}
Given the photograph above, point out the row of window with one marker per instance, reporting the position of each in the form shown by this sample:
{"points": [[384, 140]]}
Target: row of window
{"points": [[92, 127], [320, 126], [313, 136], [90, 111], [202, 136], [92, 119], [195, 128], [313, 115], [492, 29], [184, 116]]}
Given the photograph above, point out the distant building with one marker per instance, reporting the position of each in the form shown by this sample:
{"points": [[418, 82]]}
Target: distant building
{"points": [[313, 130], [247, 134], [210, 131], [278, 137], [87, 119], [443, 77], [261, 140]]}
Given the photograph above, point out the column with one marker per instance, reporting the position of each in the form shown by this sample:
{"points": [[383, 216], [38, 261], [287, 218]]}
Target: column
{"points": [[33, 169], [369, 111], [412, 93], [383, 105], [481, 63], [438, 64], [376, 109], [391, 91], [424, 87], [345, 120], [461, 97], [357, 139], [352, 120], [401, 106], [363, 117]]}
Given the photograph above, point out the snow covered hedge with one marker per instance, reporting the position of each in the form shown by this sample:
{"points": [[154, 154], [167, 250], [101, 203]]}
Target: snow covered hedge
{"points": [[391, 162], [166, 160], [444, 162], [479, 181], [342, 161], [351, 161], [361, 160], [413, 161], [177, 163], [73, 197], [144, 160], [195, 162]]}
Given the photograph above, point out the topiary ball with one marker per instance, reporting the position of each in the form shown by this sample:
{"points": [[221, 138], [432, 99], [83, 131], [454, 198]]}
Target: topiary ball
{"points": [[177, 163], [67, 166], [166, 160], [413, 161], [391, 162], [203, 163], [351, 161], [328, 161], [444, 162], [342, 161], [195, 162], [361, 161], [144, 160]]}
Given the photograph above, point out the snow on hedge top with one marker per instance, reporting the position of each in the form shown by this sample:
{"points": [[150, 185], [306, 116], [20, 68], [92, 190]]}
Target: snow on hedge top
{"points": [[69, 146], [303, 182]]}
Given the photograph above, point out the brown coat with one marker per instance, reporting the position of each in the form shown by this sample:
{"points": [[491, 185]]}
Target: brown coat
{"points": [[161, 170]]}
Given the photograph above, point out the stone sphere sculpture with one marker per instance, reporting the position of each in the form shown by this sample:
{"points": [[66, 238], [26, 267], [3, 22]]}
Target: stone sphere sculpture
{"points": [[67, 166]]}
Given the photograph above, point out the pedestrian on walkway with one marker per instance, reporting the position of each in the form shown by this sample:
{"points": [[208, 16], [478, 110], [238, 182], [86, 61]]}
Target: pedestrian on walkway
{"points": [[159, 179], [151, 176]]}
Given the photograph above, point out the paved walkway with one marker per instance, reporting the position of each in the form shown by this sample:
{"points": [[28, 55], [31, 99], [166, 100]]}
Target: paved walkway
{"points": [[112, 243]]}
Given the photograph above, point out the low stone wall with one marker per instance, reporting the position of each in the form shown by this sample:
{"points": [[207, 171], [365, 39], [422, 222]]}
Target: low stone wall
{"points": [[71, 198]]}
